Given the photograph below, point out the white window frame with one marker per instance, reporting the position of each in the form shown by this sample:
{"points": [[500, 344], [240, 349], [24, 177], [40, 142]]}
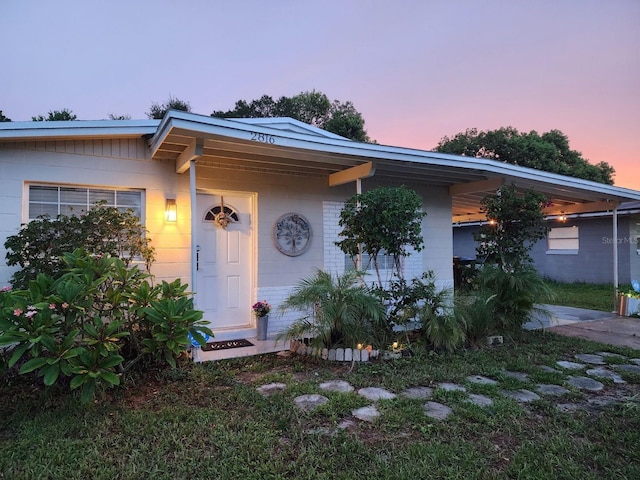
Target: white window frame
{"points": [[563, 240], [82, 207]]}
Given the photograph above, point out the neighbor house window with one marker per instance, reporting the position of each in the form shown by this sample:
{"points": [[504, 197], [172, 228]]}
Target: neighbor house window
{"points": [[65, 200], [385, 262], [563, 240]]}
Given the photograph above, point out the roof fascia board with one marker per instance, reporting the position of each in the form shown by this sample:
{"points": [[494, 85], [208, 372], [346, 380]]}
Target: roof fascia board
{"points": [[16, 131]]}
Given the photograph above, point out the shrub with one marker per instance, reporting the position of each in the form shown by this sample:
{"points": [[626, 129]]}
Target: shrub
{"points": [[95, 322], [337, 311], [40, 244]]}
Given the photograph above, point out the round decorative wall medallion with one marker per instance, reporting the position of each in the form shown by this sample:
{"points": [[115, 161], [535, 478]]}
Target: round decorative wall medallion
{"points": [[292, 234]]}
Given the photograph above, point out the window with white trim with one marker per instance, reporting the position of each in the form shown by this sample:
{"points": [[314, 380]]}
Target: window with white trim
{"points": [[563, 240], [385, 262], [66, 200]]}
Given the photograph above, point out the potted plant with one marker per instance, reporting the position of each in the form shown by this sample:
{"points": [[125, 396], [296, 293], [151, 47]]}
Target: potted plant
{"points": [[261, 311]]}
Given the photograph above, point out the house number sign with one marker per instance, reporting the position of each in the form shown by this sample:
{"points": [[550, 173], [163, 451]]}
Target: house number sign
{"points": [[292, 234], [263, 138]]}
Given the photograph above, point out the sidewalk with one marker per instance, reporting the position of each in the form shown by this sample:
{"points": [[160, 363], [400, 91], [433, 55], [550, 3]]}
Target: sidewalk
{"points": [[603, 327]]}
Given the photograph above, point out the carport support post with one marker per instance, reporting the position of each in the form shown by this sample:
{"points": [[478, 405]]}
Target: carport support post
{"points": [[615, 257], [359, 259], [194, 238]]}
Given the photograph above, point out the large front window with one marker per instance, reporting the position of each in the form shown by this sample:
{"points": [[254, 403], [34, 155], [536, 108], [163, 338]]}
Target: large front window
{"points": [[66, 200]]}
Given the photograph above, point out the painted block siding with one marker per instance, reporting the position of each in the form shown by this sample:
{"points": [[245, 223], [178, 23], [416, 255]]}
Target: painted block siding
{"points": [[592, 263], [120, 163]]}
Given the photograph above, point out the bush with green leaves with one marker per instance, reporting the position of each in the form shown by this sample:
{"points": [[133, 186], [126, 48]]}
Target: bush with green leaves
{"points": [[503, 301], [40, 244], [95, 322], [339, 311]]}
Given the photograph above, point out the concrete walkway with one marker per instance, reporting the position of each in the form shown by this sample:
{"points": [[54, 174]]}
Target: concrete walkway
{"points": [[603, 327]]}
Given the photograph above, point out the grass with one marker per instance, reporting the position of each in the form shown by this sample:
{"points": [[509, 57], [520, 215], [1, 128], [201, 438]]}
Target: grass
{"points": [[585, 295], [208, 421]]}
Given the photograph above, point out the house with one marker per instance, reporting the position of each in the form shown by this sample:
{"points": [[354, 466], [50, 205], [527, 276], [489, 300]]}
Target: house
{"points": [[270, 177], [579, 247]]}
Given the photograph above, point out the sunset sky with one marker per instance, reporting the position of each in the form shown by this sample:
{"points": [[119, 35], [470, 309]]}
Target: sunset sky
{"points": [[417, 70]]}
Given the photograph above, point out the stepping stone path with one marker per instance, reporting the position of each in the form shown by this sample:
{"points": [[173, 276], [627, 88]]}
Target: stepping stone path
{"points": [[439, 411], [585, 383], [418, 393], [517, 375], [366, 414], [479, 400], [550, 389], [591, 358], [271, 388], [522, 395], [570, 365], [479, 379], [336, 386], [309, 402], [374, 394], [604, 373], [452, 387], [629, 368]]}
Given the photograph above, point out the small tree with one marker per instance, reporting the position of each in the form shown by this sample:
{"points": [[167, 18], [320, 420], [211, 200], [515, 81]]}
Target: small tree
{"points": [[516, 222], [55, 116], [386, 219], [158, 111], [3, 118], [41, 244]]}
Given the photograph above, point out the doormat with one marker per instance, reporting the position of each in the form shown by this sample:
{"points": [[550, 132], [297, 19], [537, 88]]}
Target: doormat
{"points": [[226, 344]]}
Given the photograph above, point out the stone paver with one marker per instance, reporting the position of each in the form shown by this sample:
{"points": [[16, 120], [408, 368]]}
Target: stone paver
{"points": [[522, 395], [591, 358], [628, 368], [635, 360], [451, 387], [611, 355], [420, 393], [374, 394], [570, 365], [366, 414], [604, 373], [437, 410], [548, 369], [271, 388], [482, 380], [517, 375], [585, 383], [336, 386], [479, 400], [310, 401], [550, 389]]}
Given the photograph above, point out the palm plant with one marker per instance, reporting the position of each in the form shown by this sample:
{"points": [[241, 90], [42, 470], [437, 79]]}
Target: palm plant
{"points": [[337, 311]]}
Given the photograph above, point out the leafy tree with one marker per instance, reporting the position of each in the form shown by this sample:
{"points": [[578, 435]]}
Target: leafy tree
{"points": [[313, 108], [549, 152], [3, 118], [516, 222], [158, 111], [119, 117], [383, 219], [56, 115], [40, 245]]}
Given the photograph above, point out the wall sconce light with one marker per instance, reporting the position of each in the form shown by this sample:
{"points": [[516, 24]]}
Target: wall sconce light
{"points": [[562, 217], [170, 211]]}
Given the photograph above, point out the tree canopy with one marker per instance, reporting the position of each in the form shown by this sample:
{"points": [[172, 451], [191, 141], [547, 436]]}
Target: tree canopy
{"points": [[3, 118], [313, 108], [56, 115], [158, 111], [549, 152]]}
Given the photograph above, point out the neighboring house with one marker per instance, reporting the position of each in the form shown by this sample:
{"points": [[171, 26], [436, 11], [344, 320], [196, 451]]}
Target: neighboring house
{"points": [[275, 178], [578, 247]]}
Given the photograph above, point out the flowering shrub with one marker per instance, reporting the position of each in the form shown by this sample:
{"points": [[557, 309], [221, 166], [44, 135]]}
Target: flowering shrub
{"points": [[95, 322], [261, 309]]}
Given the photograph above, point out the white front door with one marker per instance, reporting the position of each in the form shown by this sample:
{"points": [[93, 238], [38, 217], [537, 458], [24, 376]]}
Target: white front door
{"points": [[225, 261]]}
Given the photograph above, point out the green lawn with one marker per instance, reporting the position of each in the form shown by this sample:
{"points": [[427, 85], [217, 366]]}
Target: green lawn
{"points": [[209, 422], [585, 295]]}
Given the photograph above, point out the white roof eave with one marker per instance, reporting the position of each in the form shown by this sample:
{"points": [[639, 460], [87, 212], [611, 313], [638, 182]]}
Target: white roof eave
{"points": [[18, 131]]}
